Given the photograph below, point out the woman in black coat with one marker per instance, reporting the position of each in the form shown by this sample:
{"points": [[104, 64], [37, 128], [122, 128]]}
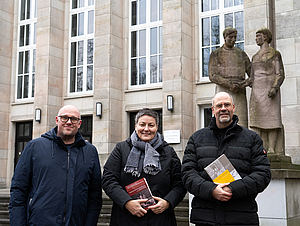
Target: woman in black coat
{"points": [[144, 155]]}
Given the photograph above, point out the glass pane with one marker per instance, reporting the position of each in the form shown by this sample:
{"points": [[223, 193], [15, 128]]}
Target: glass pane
{"points": [[19, 89], [207, 116], [81, 3], [72, 79], [74, 25], [205, 60], [21, 60], [238, 2], [142, 43], [215, 30], [239, 25], [205, 32], [28, 10], [91, 2], [142, 14], [79, 79], [89, 79], [228, 20], [240, 45], [153, 41], [73, 54], [81, 24], [153, 69], [28, 34], [160, 9], [26, 86], [33, 81], [80, 53], [160, 40], [153, 10], [22, 35], [133, 44], [91, 22], [228, 3], [27, 129], [205, 5], [34, 34], [160, 68], [214, 4], [90, 51], [20, 130], [22, 13], [74, 4], [33, 61], [142, 71], [134, 72], [35, 9], [133, 13], [27, 61]]}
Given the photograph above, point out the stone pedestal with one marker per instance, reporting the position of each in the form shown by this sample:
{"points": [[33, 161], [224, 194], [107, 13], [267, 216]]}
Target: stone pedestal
{"points": [[279, 204]]}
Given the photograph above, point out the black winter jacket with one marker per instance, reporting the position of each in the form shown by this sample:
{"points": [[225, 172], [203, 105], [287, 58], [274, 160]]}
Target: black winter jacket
{"points": [[244, 149], [166, 184], [52, 185]]}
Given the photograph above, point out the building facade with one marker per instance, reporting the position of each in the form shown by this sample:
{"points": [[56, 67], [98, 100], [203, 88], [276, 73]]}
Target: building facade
{"points": [[128, 55]]}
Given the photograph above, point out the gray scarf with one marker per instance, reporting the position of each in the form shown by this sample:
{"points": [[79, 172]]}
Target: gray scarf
{"points": [[143, 156]]}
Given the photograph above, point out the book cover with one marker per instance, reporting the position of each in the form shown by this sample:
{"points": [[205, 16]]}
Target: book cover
{"points": [[222, 171], [140, 190]]}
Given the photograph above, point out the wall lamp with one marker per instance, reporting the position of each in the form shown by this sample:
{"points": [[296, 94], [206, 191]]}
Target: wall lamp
{"points": [[170, 102], [38, 113], [99, 109]]}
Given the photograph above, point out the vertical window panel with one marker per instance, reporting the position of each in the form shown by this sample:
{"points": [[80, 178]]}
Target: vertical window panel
{"points": [[238, 2], [228, 3], [74, 25], [142, 43], [91, 2], [160, 9], [205, 32], [239, 25], [133, 13], [205, 5], [154, 10], [72, 79], [26, 86], [142, 71], [27, 62], [160, 40], [74, 4], [33, 82], [142, 11], [153, 40], [22, 13], [73, 54], [90, 72], [22, 36], [133, 44], [28, 10], [81, 3], [228, 20], [79, 79], [160, 68], [80, 53], [80, 24], [214, 4], [90, 51], [91, 22], [205, 60], [19, 87], [27, 34], [153, 69], [21, 61], [215, 30], [34, 34], [134, 72]]}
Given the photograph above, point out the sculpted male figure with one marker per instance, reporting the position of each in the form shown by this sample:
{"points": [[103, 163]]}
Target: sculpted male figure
{"points": [[267, 75], [227, 68]]}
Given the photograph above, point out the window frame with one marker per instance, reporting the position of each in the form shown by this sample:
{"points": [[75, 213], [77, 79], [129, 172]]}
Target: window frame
{"points": [[148, 25], [78, 38], [31, 48], [221, 12]]}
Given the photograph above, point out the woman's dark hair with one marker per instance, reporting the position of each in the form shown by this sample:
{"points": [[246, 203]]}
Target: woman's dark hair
{"points": [[147, 111]]}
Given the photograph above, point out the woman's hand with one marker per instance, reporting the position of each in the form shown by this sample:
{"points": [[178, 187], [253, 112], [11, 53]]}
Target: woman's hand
{"points": [[135, 208], [160, 206]]}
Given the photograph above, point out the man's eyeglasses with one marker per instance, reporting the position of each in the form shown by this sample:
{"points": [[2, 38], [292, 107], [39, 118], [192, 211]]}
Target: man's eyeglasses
{"points": [[65, 119], [220, 106]]}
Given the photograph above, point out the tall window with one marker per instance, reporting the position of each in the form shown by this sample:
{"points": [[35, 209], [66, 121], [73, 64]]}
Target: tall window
{"points": [[81, 73], [26, 49], [215, 16], [145, 42]]}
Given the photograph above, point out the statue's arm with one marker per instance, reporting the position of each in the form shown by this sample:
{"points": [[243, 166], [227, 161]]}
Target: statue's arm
{"points": [[279, 75]]}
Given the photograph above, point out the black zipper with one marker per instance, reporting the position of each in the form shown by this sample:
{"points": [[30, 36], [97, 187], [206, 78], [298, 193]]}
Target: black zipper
{"points": [[65, 210]]}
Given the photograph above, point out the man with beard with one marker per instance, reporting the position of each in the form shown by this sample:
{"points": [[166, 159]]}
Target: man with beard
{"points": [[229, 203]]}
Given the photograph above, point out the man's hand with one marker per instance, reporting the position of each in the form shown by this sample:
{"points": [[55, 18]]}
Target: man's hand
{"points": [[135, 208], [160, 206], [222, 192]]}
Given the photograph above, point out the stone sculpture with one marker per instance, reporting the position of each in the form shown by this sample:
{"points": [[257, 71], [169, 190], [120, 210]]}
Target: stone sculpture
{"points": [[267, 76], [227, 68]]}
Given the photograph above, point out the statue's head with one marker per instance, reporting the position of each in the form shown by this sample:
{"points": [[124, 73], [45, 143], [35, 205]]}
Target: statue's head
{"points": [[228, 31], [267, 34]]}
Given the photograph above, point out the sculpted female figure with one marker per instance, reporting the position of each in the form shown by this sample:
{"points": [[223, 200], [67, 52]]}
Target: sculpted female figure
{"points": [[267, 76]]}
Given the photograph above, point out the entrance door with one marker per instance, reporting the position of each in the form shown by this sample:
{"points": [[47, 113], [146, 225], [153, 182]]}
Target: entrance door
{"points": [[23, 136]]}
